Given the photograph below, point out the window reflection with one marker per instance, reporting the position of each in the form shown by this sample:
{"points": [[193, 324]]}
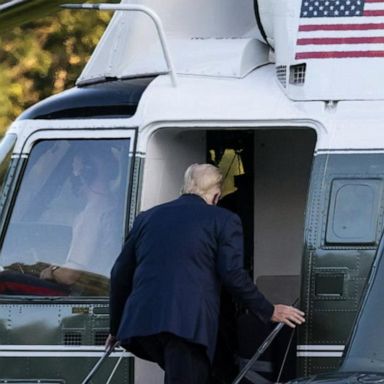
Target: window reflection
{"points": [[67, 224], [6, 148]]}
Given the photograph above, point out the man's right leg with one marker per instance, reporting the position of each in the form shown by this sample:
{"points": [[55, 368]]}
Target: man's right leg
{"points": [[185, 362], [182, 361]]}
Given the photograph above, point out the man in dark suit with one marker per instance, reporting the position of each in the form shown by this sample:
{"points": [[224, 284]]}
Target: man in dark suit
{"points": [[165, 285]]}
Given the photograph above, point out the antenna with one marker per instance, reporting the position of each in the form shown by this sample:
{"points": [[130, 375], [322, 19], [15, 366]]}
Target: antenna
{"points": [[135, 8]]}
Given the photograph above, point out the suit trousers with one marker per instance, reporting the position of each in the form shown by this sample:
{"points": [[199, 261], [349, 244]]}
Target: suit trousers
{"points": [[182, 361]]}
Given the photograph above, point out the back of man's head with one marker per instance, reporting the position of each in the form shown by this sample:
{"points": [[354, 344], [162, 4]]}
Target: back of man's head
{"points": [[204, 180]]}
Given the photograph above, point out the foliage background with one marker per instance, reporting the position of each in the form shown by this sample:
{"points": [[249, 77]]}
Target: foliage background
{"points": [[45, 57]]}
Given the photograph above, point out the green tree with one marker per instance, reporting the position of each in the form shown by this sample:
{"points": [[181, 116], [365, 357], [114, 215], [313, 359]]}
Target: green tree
{"points": [[45, 57]]}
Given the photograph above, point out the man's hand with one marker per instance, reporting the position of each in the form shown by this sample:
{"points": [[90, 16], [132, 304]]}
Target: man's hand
{"points": [[111, 343], [288, 315]]}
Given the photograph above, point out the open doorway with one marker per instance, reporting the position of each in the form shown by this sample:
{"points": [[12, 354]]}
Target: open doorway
{"points": [[266, 182], [267, 172]]}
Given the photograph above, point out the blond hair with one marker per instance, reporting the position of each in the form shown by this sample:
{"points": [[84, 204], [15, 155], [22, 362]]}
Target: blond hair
{"points": [[200, 179]]}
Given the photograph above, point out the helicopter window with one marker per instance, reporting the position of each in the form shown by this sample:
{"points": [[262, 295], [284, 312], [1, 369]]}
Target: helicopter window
{"points": [[353, 210], [6, 147], [66, 227], [6, 164]]}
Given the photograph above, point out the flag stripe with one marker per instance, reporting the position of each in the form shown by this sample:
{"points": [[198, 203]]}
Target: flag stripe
{"points": [[341, 20], [346, 34], [374, 1], [375, 12], [341, 40], [340, 48], [338, 54], [340, 27]]}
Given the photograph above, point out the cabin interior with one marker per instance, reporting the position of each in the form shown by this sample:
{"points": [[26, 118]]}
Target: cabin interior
{"points": [[267, 173]]}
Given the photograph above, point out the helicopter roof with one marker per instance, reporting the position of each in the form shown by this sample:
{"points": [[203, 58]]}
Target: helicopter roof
{"points": [[318, 54], [215, 38], [18, 12]]}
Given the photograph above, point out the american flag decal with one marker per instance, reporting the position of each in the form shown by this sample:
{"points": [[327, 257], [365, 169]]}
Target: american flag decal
{"points": [[337, 29]]}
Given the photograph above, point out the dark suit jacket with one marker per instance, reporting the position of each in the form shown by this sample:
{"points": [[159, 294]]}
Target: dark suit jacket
{"points": [[169, 273]]}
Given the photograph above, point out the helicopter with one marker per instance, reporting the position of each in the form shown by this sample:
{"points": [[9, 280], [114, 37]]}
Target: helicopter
{"points": [[286, 98], [17, 12]]}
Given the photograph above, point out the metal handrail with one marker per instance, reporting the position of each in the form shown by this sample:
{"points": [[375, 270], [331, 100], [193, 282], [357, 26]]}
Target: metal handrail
{"points": [[258, 353], [136, 8]]}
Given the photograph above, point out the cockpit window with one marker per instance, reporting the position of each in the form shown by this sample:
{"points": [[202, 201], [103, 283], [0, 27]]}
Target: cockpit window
{"points": [[66, 228], [6, 147]]}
